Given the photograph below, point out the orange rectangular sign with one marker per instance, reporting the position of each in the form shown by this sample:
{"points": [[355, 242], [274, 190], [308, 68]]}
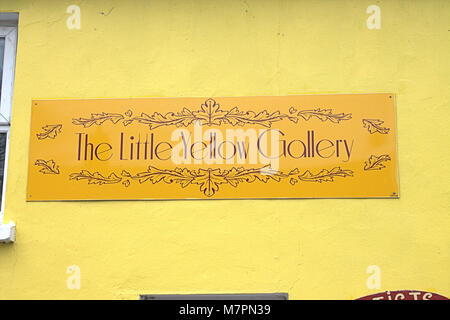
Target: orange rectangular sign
{"points": [[308, 146]]}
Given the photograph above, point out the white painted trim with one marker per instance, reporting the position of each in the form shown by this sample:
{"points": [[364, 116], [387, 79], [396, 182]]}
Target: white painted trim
{"points": [[9, 63], [7, 232], [5, 172], [9, 18], [9, 31]]}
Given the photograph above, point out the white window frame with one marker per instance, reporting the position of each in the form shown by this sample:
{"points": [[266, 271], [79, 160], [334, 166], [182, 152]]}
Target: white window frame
{"points": [[9, 63], [4, 129], [8, 30]]}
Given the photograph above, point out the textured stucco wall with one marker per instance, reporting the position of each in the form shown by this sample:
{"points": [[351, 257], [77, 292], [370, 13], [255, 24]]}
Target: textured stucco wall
{"points": [[308, 248]]}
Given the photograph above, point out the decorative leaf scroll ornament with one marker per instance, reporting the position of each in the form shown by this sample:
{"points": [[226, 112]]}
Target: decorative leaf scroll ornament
{"points": [[210, 114], [210, 179], [324, 115], [375, 125], [180, 119], [129, 113], [95, 178], [155, 175], [50, 131], [48, 167], [323, 176], [376, 163], [98, 119]]}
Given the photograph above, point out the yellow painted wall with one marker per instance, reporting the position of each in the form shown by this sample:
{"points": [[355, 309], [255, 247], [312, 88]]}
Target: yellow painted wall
{"points": [[177, 48]]}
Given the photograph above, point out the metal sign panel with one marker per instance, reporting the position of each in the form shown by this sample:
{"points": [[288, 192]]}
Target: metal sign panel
{"points": [[308, 146]]}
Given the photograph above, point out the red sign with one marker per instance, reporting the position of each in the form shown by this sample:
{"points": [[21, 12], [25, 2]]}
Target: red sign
{"points": [[404, 295]]}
